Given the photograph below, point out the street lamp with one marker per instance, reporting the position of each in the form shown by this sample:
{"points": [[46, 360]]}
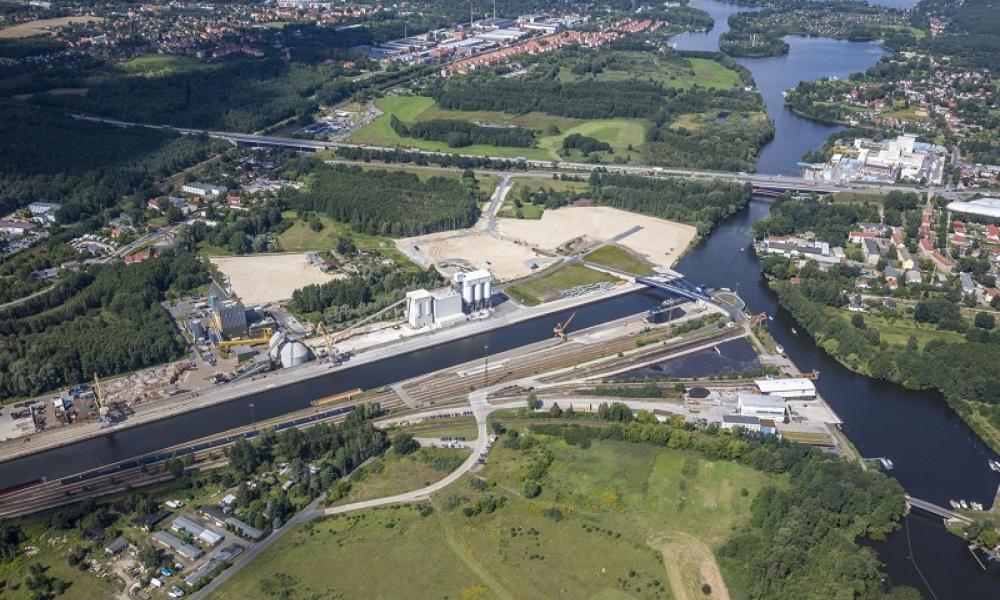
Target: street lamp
{"points": [[253, 418]]}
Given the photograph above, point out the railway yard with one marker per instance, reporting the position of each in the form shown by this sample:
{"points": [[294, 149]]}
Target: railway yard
{"points": [[555, 370]]}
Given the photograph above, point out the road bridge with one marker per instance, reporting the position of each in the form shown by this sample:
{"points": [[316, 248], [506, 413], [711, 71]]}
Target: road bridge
{"points": [[761, 182], [934, 509]]}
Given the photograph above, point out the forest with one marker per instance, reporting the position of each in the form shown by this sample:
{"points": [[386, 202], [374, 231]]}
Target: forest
{"points": [[459, 134], [394, 203], [87, 167], [800, 538], [585, 144], [698, 203], [830, 222], [105, 320], [343, 300], [236, 231]]}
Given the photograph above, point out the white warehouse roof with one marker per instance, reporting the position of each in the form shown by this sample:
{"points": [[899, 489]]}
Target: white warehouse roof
{"points": [[785, 386], [983, 207], [761, 401]]}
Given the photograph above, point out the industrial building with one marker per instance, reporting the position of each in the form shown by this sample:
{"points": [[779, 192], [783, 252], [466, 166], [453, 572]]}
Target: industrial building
{"points": [[197, 530], [787, 388], [762, 406], [173, 543], [470, 291], [230, 318], [244, 529], [204, 189], [288, 351], [986, 209], [741, 421], [218, 559]]}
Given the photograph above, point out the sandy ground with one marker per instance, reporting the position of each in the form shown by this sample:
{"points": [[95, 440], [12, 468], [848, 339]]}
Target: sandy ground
{"points": [[38, 27], [267, 278], [504, 258], [658, 241]]}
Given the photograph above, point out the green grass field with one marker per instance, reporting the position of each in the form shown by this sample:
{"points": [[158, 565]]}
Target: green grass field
{"points": [[547, 286], [619, 258], [451, 427], [301, 238], [392, 474], [898, 331], [633, 521], [159, 65], [677, 72], [620, 133]]}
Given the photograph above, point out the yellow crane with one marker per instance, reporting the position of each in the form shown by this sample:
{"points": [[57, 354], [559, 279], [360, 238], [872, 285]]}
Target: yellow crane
{"points": [[98, 392], [560, 329], [265, 337], [328, 341]]}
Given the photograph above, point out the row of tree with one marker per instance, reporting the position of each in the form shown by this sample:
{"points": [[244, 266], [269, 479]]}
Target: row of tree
{"points": [[699, 203], [459, 134]]}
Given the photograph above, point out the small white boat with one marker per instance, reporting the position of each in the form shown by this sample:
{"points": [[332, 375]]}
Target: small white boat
{"points": [[953, 503], [780, 349], [887, 464], [717, 351], [794, 331], [994, 465], [963, 504], [770, 318], [976, 505]]}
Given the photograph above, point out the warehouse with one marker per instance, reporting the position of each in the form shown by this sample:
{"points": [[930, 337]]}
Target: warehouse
{"points": [[743, 422], [196, 530], [787, 388], [185, 550], [762, 406]]}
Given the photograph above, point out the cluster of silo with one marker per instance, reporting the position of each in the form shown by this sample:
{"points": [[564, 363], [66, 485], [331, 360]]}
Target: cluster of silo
{"points": [[476, 288], [289, 352]]}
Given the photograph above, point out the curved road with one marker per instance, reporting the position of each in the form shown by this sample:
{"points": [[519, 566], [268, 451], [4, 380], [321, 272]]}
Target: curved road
{"points": [[480, 409]]}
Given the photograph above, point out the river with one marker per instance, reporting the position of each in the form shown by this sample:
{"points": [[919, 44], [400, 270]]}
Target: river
{"points": [[937, 457]]}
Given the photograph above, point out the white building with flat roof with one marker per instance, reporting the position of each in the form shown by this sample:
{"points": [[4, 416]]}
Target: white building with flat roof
{"points": [[787, 388], [762, 406]]}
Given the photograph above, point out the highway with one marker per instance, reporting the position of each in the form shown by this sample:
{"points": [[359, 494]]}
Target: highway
{"points": [[758, 180]]}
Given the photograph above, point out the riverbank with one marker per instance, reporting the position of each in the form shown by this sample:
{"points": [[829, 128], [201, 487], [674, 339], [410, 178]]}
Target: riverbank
{"points": [[156, 411]]}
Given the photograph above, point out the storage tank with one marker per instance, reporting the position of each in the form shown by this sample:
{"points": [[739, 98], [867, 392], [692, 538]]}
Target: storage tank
{"points": [[274, 345], [477, 293], [487, 291], [467, 292], [294, 354]]}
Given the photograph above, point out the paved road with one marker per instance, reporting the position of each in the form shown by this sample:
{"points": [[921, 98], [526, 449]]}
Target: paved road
{"points": [[757, 179], [480, 408]]}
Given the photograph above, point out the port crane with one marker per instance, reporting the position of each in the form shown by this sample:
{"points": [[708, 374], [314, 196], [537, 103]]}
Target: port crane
{"points": [[560, 329]]}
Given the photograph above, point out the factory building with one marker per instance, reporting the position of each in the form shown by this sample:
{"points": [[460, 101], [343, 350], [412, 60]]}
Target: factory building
{"points": [[762, 406], [476, 288], [183, 524], [171, 542], [438, 307], [787, 388], [230, 318], [470, 291]]}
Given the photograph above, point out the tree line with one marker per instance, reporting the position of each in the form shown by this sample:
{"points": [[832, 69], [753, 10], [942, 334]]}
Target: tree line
{"points": [[698, 203], [459, 134], [343, 300]]}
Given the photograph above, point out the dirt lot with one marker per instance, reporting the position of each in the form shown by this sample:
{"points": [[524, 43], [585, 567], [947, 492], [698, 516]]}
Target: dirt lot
{"points": [[39, 27], [504, 258], [509, 251], [267, 278], [660, 242]]}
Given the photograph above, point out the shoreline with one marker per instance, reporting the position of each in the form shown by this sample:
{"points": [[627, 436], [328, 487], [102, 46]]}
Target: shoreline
{"points": [[193, 401]]}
